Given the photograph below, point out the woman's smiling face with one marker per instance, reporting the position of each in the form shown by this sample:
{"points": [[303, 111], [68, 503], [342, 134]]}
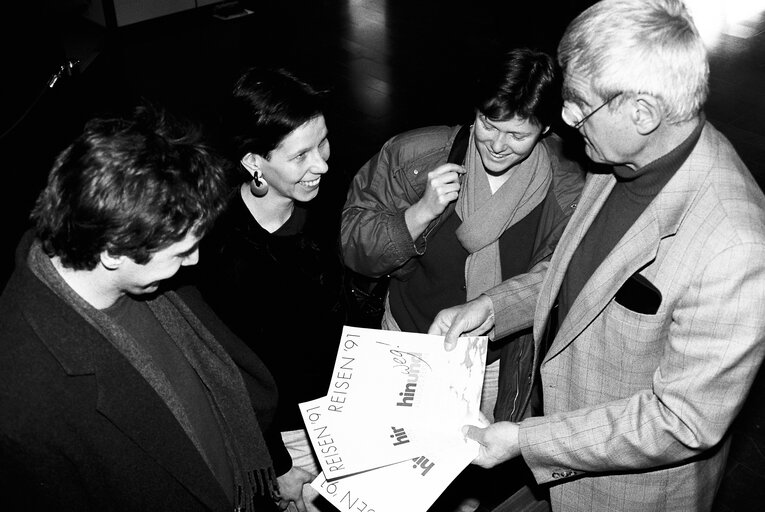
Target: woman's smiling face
{"points": [[294, 168], [504, 144]]}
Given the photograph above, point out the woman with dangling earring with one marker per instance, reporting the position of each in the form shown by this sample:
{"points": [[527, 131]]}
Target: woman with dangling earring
{"points": [[271, 267]]}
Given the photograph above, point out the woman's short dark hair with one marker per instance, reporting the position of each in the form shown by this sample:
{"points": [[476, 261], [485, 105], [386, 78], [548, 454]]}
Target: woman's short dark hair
{"points": [[131, 187], [264, 107], [522, 82]]}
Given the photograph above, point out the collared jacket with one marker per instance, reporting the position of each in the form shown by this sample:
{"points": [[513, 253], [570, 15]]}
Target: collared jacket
{"points": [[638, 403], [376, 241], [80, 428]]}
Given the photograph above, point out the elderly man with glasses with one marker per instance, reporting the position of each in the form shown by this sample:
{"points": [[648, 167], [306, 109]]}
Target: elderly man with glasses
{"points": [[648, 324]]}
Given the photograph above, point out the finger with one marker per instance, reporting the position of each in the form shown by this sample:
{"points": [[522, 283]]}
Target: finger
{"points": [[438, 327], [300, 505], [443, 177], [445, 192], [448, 188], [448, 197], [474, 433], [452, 177], [450, 341], [447, 168], [446, 183]]}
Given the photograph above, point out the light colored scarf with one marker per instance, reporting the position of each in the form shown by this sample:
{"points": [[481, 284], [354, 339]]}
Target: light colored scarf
{"points": [[251, 462], [485, 216]]}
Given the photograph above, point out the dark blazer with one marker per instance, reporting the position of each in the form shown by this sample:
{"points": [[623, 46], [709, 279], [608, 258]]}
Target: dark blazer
{"points": [[80, 429]]}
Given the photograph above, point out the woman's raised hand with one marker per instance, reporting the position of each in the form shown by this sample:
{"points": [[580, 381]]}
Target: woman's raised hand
{"points": [[443, 188]]}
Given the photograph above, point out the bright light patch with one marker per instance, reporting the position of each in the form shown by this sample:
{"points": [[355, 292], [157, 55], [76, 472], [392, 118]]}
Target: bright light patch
{"points": [[737, 18]]}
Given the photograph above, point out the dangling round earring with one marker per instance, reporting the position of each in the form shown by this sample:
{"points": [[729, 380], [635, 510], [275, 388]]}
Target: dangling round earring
{"points": [[258, 185]]}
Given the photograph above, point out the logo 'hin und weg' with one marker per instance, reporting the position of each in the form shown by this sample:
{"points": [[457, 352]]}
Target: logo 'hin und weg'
{"points": [[410, 387]]}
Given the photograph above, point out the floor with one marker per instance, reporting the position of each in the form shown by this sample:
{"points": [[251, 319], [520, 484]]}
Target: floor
{"points": [[388, 66]]}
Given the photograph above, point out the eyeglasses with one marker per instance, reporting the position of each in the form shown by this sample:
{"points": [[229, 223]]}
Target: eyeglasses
{"points": [[580, 123]]}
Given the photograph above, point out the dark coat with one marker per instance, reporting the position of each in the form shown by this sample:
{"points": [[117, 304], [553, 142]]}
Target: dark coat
{"points": [[80, 429]]}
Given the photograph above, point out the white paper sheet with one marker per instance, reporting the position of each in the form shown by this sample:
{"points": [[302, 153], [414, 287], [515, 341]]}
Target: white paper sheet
{"points": [[388, 434]]}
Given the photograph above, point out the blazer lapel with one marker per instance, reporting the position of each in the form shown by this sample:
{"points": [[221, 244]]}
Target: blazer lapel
{"points": [[120, 395], [637, 248], [124, 397], [594, 194]]}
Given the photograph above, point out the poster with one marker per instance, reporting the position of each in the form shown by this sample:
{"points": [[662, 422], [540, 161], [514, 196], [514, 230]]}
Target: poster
{"points": [[388, 434]]}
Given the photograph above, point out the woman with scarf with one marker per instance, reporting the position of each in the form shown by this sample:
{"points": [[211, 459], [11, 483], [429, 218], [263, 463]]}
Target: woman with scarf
{"points": [[449, 212]]}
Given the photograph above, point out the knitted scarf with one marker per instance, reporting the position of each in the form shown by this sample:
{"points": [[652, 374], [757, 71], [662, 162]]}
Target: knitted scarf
{"points": [[247, 451], [485, 216]]}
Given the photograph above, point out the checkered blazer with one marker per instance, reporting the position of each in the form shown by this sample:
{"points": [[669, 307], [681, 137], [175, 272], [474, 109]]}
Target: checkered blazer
{"points": [[637, 406]]}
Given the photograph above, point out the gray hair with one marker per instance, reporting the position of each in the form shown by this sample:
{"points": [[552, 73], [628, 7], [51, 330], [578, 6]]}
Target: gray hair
{"points": [[640, 46]]}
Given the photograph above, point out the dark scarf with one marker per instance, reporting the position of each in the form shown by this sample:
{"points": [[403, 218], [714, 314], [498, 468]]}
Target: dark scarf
{"points": [[247, 451]]}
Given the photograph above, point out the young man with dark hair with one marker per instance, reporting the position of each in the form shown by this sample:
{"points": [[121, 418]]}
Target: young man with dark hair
{"points": [[114, 393]]}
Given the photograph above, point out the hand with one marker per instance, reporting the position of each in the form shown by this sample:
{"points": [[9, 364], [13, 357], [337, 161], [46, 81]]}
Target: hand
{"points": [[291, 488], [442, 188], [497, 443], [473, 318]]}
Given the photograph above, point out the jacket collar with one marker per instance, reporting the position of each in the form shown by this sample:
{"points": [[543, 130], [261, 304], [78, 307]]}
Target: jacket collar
{"points": [[81, 350], [637, 248]]}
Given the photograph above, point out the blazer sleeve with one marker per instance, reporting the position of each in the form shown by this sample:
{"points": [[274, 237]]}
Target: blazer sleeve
{"points": [[514, 300], [709, 359]]}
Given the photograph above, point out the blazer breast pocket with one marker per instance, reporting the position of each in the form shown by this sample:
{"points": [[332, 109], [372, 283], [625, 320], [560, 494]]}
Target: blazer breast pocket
{"points": [[638, 294]]}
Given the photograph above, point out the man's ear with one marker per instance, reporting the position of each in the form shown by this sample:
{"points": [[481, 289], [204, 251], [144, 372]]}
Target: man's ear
{"points": [[647, 113], [251, 162], [110, 262]]}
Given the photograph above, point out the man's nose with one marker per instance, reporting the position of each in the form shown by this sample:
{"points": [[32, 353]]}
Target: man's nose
{"points": [[191, 259], [568, 116]]}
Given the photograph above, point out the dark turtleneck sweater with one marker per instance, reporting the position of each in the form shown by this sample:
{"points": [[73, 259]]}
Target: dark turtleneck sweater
{"points": [[631, 195]]}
